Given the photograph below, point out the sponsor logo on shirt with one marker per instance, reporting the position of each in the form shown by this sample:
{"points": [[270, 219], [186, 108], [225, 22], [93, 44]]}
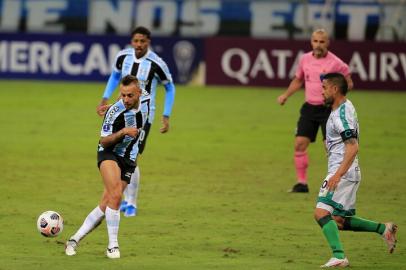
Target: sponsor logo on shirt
{"points": [[109, 118]]}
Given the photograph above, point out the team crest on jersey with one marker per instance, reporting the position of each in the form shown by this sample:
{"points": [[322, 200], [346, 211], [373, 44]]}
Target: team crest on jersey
{"points": [[106, 127]]}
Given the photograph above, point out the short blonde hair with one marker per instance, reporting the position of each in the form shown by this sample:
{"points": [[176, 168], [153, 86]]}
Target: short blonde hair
{"points": [[321, 31]]}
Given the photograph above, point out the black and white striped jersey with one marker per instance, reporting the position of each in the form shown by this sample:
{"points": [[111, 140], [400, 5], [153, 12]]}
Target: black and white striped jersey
{"points": [[118, 117], [150, 70]]}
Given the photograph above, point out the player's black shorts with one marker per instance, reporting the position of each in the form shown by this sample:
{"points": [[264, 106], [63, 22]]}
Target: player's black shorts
{"points": [[127, 166], [143, 142], [311, 117]]}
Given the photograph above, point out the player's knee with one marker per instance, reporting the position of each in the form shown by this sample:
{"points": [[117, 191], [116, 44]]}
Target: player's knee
{"points": [[114, 197], [320, 213], [300, 147], [301, 143], [103, 202], [340, 222], [317, 215]]}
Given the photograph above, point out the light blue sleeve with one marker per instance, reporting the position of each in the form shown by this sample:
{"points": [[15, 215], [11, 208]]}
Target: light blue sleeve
{"points": [[112, 84], [169, 98]]}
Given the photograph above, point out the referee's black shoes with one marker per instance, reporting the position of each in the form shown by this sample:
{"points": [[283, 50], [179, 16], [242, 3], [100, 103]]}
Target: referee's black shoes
{"points": [[300, 188]]}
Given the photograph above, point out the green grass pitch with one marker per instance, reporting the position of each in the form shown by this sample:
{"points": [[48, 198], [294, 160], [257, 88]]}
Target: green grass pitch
{"points": [[213, 190]]}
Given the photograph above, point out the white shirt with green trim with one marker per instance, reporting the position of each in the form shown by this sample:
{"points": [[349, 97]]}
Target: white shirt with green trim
{"points": [[341, 125]]}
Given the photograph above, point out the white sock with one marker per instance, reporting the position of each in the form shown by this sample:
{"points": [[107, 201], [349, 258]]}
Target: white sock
{"points": [[113, 223], [132, 187], [92, 220]]}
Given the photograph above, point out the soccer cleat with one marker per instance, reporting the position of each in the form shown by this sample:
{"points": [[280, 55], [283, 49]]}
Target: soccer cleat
{"points": [[389, 236], [113, 253], [299, 188], [123, 206], [70, 247], [334, 262], [130, 211]]}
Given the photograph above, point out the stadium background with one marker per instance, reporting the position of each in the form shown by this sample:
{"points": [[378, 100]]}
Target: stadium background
{"points": [[242, 42], [213, 190]]}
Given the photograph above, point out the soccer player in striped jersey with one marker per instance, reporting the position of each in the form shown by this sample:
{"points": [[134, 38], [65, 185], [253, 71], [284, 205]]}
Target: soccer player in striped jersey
{"points": [[118, 148], [150, 70], [335, 208]]}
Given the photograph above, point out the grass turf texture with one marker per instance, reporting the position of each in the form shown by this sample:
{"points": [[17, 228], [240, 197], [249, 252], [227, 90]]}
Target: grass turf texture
{"points": [[213, 190]]}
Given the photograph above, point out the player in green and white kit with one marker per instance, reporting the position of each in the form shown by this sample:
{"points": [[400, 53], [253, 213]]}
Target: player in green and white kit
{"points": [[335, 209]]}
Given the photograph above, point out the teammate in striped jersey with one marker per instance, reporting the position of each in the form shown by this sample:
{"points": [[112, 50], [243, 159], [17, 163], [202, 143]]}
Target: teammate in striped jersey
{"points": [[118, 148], [150, 70], [335, 208]]}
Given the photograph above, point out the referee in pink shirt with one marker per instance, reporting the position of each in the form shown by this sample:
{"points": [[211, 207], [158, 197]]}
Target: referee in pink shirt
{"points": [[313, 112]]}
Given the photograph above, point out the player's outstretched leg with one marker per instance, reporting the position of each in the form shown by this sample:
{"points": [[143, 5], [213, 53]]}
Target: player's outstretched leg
{"points": [[387, 230], [389, 236], [92, 221]]}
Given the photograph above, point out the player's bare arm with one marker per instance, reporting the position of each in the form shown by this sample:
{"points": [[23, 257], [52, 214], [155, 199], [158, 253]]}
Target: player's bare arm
{"points": [[294, 86], [102, 108], [351, 150], [115, 137]]}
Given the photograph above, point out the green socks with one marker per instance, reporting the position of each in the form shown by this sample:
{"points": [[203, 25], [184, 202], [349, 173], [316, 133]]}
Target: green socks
{"points": [[362, 225], [330, 231]]}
